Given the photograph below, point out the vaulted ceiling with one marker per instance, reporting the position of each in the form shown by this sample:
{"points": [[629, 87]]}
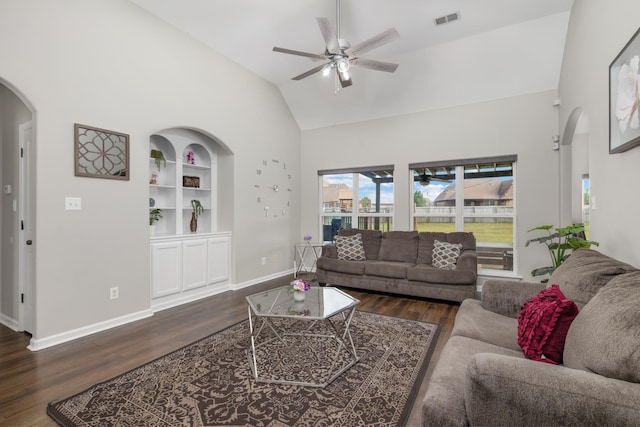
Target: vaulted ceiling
{"points": [[498, 48]]}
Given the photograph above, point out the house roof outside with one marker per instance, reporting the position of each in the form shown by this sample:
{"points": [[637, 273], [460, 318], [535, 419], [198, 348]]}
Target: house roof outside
{"points": [[332, 193], [480, 190]]}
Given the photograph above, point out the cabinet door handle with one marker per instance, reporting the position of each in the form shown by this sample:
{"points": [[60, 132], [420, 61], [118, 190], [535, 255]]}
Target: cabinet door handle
{"points": [[29, 242]]}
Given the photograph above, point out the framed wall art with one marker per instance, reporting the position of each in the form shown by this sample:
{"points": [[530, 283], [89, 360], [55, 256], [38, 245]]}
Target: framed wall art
{"points": [[101, 153], [624, 98]]}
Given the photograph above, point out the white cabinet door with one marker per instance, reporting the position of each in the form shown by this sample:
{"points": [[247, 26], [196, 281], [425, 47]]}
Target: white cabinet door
{"points": [[218, 259], [166, 268], [194, 265]]}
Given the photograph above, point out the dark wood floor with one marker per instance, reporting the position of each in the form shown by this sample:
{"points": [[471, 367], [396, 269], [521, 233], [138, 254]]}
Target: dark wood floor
{"points": [[30, 380]]}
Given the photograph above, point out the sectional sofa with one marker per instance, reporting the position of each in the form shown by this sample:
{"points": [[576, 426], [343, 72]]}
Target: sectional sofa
{"points": [[402, 262], [482, 377]]}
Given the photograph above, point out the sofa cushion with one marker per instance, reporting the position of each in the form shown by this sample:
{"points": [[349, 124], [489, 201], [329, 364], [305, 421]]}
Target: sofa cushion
{"points": [[605, 337], [427, 273], [371, 240], [445, 255], [427, 238], [393, 269], [425, 245], [350, 248], [509, 391], [543, 324], [585, 272], [466, 239], [473, 321], [443, 404], [341, 266], [399, 246]]}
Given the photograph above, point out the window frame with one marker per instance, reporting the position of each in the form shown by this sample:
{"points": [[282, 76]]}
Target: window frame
{"points": [[458, 166], [355, 213]]}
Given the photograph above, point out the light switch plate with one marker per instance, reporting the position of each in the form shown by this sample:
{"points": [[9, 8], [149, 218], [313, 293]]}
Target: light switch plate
{"points": [[72, 203]]}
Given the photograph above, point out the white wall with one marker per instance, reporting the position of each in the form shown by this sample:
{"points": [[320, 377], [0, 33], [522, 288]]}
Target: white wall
{"points": [[111, 65], [522, 125], [597, 32]]}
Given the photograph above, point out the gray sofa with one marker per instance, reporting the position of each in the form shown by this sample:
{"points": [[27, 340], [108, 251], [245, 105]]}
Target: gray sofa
{"points": [[482, 377], [400, 262]]}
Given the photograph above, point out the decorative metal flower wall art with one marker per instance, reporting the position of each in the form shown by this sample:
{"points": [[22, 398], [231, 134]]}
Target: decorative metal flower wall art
{"points": [[101, 153]]}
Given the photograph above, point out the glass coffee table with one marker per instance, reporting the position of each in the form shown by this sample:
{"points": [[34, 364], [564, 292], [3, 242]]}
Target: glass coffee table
{"points": [[305, 343]]}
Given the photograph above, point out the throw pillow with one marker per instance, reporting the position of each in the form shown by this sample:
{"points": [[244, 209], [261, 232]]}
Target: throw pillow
{"points": [[350, 247], [445, 255], [543, 325], [605, 335]]}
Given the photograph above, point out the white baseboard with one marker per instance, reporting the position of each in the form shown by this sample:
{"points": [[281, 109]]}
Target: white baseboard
{"points": [[169, 302], [41, 343], [9, 322], [262, 279]]}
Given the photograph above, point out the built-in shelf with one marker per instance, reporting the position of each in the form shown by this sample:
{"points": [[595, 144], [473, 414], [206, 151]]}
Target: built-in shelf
{"points": [[165, 183], [186, 266]]}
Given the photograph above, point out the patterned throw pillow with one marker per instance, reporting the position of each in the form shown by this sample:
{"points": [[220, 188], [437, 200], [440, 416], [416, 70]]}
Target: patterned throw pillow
{"points": [[543, 325], [445, 255], [350, 247]]}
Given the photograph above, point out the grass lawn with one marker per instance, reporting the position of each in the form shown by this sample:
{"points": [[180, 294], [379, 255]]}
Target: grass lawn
{"points": [[484, 232]]}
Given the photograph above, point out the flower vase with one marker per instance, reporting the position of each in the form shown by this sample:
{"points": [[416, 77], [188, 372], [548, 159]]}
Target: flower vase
{"points": [[193, 225], [298, 296]]}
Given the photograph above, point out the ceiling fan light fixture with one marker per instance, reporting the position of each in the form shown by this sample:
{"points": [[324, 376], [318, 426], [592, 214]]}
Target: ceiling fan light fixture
{"points": [[339, 53], [326, 71], [343, 65]]}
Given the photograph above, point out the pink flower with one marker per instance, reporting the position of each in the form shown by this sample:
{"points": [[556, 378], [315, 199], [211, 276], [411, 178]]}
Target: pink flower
{"points": [[300, 285], [191, 158]]}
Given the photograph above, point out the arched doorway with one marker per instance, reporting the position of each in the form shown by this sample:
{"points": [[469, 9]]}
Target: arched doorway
{"points": [[17, 213], [574, 169]]}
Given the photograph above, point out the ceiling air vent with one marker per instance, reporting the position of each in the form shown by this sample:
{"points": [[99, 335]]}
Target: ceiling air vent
{"points": [[447, 18]]}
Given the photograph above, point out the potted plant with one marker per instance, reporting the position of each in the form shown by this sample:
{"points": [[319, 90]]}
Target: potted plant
{"points": [[154, 216], [560, 243], [198, 209], [159, 158]]}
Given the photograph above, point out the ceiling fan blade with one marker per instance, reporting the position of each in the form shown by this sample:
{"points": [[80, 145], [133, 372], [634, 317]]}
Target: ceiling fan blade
{"points": [[376, 41], [372, 64], [310, 72], [344, 82], [329, 35], [299, 53]]}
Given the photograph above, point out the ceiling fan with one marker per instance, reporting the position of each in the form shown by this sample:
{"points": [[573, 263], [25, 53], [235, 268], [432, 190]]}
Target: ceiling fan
{"points": [[425, 179], [340, 55]]}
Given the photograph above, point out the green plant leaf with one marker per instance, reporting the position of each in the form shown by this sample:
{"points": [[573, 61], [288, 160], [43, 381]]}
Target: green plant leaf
{"points": [[560, 244], [578, 242], [542, 227], [542, 271], [571, 229]]}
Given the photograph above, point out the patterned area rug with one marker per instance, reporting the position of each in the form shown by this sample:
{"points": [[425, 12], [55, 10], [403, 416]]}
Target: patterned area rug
{"points": [[209, 383]]}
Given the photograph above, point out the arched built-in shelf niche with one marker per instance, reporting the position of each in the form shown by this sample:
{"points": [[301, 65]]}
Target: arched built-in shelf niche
{"points": [[188, 265]]}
